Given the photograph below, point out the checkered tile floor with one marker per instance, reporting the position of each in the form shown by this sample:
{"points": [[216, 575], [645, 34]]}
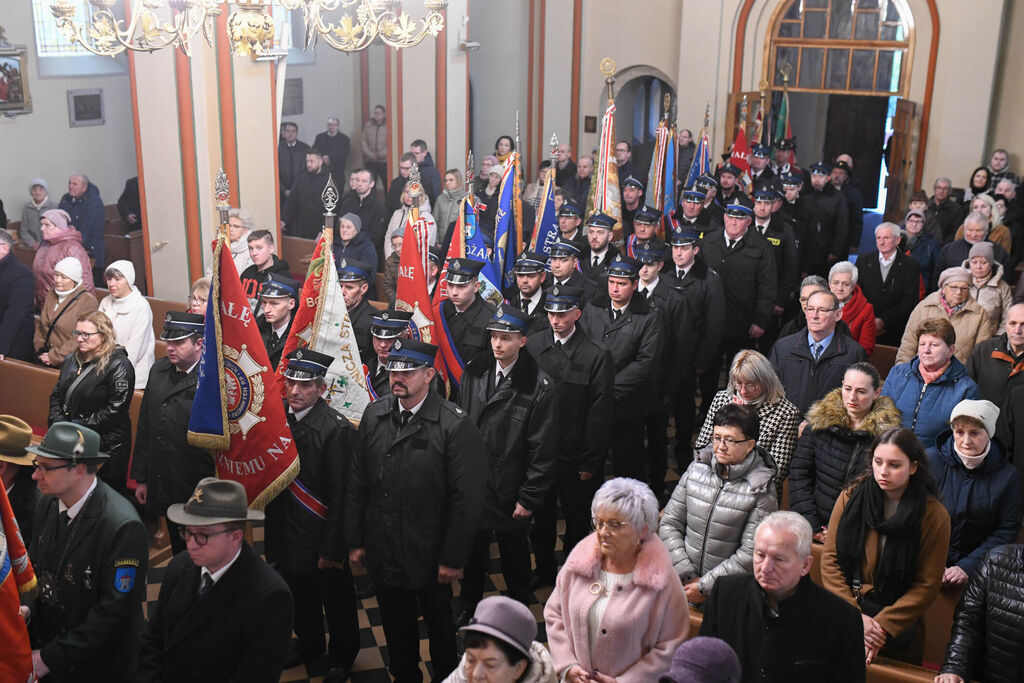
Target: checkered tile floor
{"points": [[370, 666]]}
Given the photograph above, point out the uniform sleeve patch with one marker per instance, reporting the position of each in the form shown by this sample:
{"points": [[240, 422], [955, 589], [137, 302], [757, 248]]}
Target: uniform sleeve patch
{"points": [[124, 579]]}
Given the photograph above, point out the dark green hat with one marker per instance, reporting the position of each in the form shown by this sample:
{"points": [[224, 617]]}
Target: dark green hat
{"points": [[69, 441], [215, 501]]}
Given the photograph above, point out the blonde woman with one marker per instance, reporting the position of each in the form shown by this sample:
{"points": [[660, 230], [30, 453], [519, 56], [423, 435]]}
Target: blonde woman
{"points": [[94, 389]]}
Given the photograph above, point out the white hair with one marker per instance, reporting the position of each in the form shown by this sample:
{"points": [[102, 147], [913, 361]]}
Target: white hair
{"points": [[248, 222], [844, 267], [794, 523], [896, 232], [633, 499]]}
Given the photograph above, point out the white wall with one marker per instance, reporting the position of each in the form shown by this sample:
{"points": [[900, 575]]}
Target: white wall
{"points": [[43, 144]]}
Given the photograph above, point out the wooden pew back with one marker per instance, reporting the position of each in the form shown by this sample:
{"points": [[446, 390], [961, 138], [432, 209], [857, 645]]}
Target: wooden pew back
{"points": [[883, 358], [297, 251]]}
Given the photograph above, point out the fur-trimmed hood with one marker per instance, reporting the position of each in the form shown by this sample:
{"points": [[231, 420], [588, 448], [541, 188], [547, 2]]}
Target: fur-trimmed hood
{"points": [[830, 413], [653, 567]]}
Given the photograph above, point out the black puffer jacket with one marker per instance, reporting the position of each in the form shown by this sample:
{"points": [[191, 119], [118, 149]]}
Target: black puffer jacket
{"points": [[100, 401], [830, 454], [985, 644]]}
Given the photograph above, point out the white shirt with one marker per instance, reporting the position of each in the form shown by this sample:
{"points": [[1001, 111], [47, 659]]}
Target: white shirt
{"points": [[534, 300], [599, 255], [649, 287], [886, 263], [283, 328], [500, 372], [621, 311], [416, 408], [300, 414], [215, 576], [565, 339], [77, 507], [681, 272]]}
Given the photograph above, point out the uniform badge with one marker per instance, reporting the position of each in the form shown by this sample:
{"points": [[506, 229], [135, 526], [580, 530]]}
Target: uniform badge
{"points": [[69, 573], [167, 318], [124, 574], [397, 345], [124, 579], [87, 579], [384, 315], [456, 265], [344, 263]]}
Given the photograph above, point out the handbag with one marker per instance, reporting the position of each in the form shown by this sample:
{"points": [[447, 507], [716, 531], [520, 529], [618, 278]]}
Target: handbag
{"points": [[53, 324]]}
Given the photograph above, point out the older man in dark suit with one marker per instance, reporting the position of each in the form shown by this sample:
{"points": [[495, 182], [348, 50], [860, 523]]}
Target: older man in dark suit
{"points": [[891, 281], [222, 614]]}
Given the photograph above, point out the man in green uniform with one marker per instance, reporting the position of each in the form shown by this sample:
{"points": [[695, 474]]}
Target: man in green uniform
{"points": [[89, 551]]}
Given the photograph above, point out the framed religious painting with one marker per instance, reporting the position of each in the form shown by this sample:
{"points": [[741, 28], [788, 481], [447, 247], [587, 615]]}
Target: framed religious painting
{"points": [[85, 107], [14, 95]]}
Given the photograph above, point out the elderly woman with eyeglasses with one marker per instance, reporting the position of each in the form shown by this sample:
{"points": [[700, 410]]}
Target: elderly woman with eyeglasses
{"points": [[952, 302], [708, 526], [753, 382], [618, 611], [95, 389]]}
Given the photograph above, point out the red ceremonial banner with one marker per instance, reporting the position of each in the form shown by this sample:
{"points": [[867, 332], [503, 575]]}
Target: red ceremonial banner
{"points": [[16, 576]]}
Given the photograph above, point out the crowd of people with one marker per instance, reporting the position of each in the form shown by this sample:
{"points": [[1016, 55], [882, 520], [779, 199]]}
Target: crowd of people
{"points": [[574, 388]]}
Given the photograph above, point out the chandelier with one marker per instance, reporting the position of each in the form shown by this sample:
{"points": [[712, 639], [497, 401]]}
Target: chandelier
{"points": [[156, 24]]}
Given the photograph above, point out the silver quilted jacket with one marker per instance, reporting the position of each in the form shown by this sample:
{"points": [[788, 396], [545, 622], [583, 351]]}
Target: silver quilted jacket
{"points": [[708, 526]]}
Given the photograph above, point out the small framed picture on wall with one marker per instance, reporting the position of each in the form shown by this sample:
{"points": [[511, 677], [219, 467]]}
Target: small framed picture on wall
{"points": [[14, 95], [85, 107]]}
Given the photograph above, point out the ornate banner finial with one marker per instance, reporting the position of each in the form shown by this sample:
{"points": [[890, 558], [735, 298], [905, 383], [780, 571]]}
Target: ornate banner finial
{"points": [[414, 186], [607, 67], [707, 115], [667, 104], [744, 109], [222, 198], [785, 69], [470, 172], [221, 190], [554, 149], [517, 130], [330, 195]]}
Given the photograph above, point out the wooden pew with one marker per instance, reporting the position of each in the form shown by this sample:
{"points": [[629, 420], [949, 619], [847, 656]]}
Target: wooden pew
{"points": [[883, 358], [297, 251], [32, 400]]}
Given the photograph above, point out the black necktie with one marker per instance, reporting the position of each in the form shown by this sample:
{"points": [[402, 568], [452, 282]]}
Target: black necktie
{"points": [[525, 305], [65, 518], [499, 380], [406, 416], [205, 585], [274, 338], [596, 259], [680, 274], [616, 313]]}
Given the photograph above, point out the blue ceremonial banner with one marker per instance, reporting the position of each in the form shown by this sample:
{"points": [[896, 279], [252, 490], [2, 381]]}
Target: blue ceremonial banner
{"points": [[701, 160], [476, 248], [669, 188], [506, 237], [546, 231]]}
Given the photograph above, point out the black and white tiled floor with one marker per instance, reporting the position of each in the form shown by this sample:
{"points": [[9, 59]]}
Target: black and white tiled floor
{"points": [[370, 666]]}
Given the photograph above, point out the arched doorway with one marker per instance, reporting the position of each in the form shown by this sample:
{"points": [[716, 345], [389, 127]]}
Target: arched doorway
{"points": [[639, 102], [849, 64]]}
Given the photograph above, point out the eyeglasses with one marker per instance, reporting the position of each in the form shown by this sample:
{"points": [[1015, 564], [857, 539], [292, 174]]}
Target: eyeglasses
{"points": [[197, 300], [726, 441], [819, 311], [82, 335], [200, 538], [612, 526], [741, 386], [955, 288], [50, 468]]}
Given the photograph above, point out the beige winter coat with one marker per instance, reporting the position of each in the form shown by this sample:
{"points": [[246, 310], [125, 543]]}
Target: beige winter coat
{"points": [[970, 322]]}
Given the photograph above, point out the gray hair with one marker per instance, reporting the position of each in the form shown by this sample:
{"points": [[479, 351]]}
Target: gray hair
{"points": [[631, 498], [752, 366], [829, 293], [813, 280], [844, 267], [77, 174], [333, 119], [794, 523], [6, 238], [248, 222], [896, 232], [977, 218], [944, 179]]}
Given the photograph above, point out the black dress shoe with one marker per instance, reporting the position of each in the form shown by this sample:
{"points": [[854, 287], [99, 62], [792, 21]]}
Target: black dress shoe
{"points": [[541, 581], [336, 674], [365, 587]]}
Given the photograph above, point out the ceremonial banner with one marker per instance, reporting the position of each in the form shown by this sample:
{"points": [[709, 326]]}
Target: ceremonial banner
{"points": [[661, 186], [507, 233], [16, 577], [237, 411], [411, 291], [456, 247], [545, 232], [783, 131], [604, 191], [701, 163], [740, 158], [321, 324]]}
